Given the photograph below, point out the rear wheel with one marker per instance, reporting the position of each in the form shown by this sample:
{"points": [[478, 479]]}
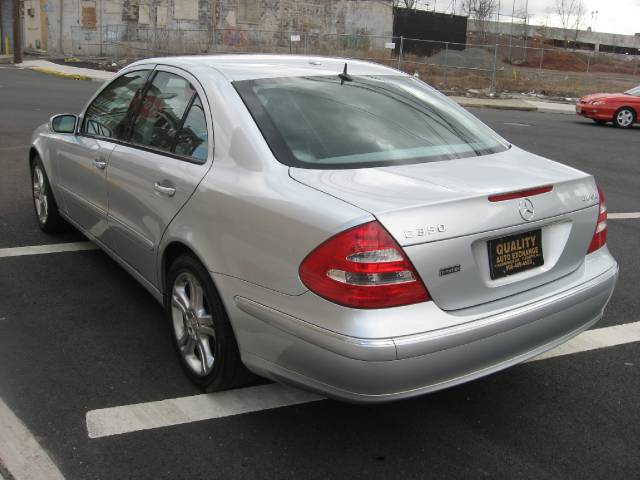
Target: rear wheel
{"points": [[200, 327], [44, 204], [624, 118]]}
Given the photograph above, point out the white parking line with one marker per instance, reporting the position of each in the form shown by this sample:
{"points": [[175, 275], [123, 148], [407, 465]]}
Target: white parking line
{"points": [[42, 249], [21, 454], [175, 411], [516, 124], [144, 416], [623, 216], [594, 339]]}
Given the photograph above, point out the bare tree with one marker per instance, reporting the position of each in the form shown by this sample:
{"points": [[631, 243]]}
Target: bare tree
{"points": [[581, 13], [571, 14], [481, 11]]}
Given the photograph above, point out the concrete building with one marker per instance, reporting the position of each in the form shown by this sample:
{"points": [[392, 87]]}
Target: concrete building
{"points": [[94, 27], [6, 26], [34, 29], [82, 26], [580, 39]]}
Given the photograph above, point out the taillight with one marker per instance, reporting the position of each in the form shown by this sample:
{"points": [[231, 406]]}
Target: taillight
{"points": [[600, 235], [363, 267]]}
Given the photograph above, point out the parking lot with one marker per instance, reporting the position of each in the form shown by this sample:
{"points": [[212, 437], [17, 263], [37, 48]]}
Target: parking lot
{"points": [[78, 335]]}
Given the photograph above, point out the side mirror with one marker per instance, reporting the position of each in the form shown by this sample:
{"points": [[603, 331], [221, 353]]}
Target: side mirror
{"points": [[65, 123]]}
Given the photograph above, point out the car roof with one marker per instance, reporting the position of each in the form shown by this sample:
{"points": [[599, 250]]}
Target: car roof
{"points": [[251, 66]]}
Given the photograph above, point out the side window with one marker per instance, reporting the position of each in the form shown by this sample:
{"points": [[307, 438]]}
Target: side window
{"points": [[108, 115], [192, 140], [161, 111]]}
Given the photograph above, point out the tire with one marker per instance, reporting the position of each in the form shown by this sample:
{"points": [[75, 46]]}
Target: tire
{"points": [[200, 328], [624, 118], [44, 203], [600, 122]]}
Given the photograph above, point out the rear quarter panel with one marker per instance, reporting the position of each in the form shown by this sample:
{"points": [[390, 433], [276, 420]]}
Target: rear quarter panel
{"points": [[248, 219]]}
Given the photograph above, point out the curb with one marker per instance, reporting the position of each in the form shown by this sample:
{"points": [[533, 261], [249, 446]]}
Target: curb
{"points": [[514, 104], [551, 110], [50, 71], [523, 108], [72, 76]]}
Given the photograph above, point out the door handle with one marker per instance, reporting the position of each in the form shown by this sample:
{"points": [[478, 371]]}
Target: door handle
{"points": [[100, 163], [162, 190]]}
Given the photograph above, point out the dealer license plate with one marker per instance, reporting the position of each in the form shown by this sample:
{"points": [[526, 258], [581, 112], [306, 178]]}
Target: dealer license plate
{"points": [[515, 253]]}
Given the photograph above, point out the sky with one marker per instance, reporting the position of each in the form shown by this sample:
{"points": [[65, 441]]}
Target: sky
{"points": [[614, 16]]}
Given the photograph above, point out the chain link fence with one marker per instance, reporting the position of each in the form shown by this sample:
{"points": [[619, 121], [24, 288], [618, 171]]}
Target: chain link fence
{"points": [[456, 67]]}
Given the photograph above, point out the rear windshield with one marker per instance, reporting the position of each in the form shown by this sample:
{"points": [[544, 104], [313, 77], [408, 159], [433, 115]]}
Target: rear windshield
{"points": [[325, 122]]}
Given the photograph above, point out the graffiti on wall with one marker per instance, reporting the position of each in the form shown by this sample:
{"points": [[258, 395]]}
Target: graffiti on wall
{"points": [[234, 37]]}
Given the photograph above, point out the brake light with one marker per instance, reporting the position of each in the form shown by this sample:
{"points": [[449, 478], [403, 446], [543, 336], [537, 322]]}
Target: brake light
{"points": [[501, 197], [600, 235], [363, 267]]}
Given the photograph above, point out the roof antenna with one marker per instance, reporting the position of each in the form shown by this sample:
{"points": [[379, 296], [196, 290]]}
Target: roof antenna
{"points": [[344, 76]]}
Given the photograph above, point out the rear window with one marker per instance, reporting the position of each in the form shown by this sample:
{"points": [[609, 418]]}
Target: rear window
{"points": [[325, 122], [634, 91]]}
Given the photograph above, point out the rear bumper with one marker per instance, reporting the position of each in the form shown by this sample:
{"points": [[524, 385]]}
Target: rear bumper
{"points": [[385, 369]]}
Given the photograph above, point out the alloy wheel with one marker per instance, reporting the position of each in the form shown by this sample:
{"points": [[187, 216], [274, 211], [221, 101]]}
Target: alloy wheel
{"points": [[624, 118], [40, 197], [193, 324]]}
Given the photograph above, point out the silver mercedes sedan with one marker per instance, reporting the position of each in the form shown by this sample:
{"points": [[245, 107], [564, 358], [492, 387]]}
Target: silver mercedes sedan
{"points": [[334, 224]]}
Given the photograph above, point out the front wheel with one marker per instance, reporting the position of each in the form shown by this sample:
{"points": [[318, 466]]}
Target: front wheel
{"points": [[624, 118], [45, 206], [202, 334]]}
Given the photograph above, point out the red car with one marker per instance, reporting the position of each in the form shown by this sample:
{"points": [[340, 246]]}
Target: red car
{"points": [[620, 108]]}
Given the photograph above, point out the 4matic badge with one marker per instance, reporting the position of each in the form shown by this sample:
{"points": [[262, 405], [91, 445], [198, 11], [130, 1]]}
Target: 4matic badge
{"points": [[449, 270]]}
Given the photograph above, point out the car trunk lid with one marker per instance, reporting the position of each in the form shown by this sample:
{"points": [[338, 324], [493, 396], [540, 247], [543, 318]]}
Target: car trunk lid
{"points": [[422, 205]]}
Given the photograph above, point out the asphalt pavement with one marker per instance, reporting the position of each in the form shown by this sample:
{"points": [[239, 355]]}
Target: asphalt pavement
{"points": [[77, 334]]}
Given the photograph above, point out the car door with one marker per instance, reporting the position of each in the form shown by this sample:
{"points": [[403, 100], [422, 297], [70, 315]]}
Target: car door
{"points": [[154, 174], [83, 158]]}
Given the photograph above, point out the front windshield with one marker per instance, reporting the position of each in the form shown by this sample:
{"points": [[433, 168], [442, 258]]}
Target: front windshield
{"points": [[325, 122], [634, 91]]}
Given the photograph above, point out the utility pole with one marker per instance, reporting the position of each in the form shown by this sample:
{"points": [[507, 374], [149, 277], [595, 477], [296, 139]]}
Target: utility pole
{"points": [[526, 27], [497, 29], [17, 32], [513, 13]]}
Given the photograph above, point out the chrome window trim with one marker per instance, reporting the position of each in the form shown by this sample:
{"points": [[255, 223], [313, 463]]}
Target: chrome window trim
{"points": [[153, 68], [82, 117]]}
